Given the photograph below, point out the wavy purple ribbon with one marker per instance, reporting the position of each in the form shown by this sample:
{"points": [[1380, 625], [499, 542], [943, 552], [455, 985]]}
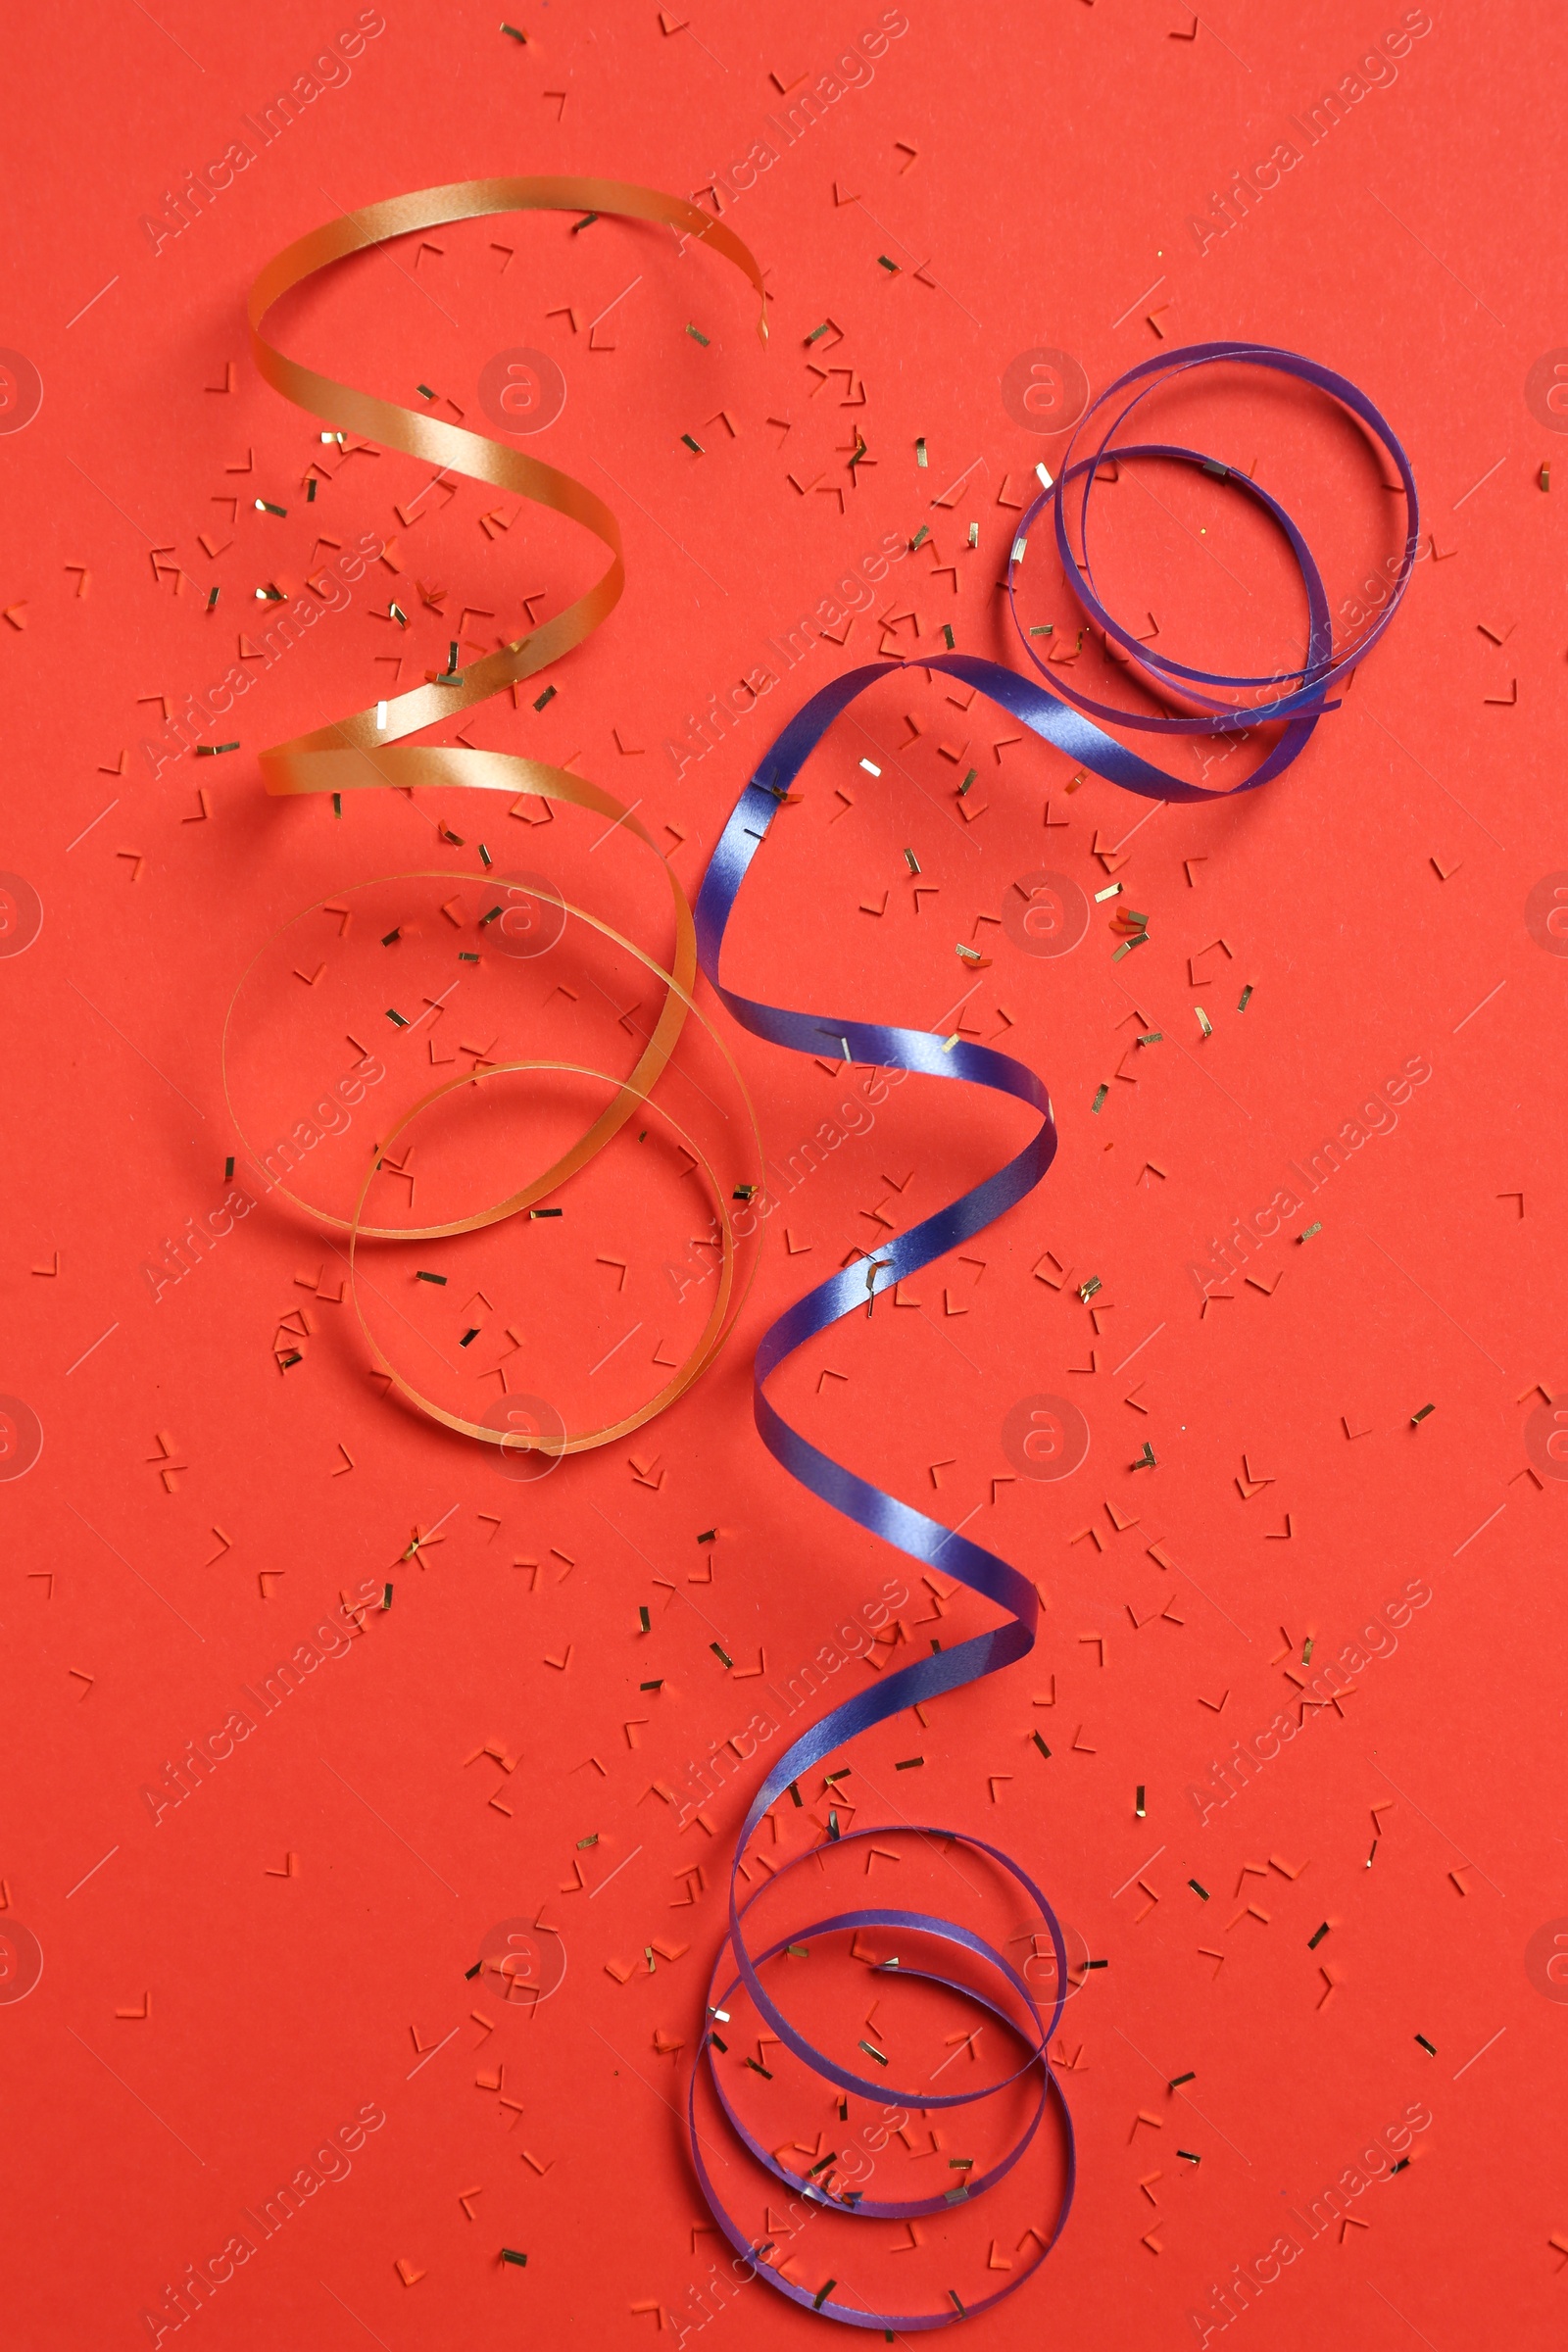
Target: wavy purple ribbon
{"points": [[1298, 700]]}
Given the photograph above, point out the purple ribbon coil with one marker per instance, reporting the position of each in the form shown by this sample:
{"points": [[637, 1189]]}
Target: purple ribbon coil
{"points": [[1221, 704]]}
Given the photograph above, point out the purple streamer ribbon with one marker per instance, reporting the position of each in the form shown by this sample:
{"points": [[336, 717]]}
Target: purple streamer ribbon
{"points": [[1067, 719]]}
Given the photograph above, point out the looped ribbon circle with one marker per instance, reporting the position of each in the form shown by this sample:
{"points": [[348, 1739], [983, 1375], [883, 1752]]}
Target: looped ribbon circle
{"points": [[1067, 721], [360, 752]]}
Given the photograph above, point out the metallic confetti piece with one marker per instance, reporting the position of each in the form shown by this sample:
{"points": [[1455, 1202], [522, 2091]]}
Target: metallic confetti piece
{"points": [[1310, 1230], [1204, 1021], [696, 334], [548, 696], [1246, 998], [1196, 1890], [1100, 1097]]}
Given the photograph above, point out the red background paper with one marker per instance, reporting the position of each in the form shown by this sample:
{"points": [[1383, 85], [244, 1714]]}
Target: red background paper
{"points": [[1035, 174]]}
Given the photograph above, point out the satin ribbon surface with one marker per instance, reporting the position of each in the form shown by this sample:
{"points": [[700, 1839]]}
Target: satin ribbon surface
{"points": [[1068, 720], [362, 753]]}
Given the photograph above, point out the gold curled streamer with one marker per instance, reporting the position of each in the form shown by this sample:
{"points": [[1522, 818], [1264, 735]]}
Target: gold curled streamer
{"points": [[359, 754], [728, 1300], [335, 758], [679, 984], [715, 1330]]}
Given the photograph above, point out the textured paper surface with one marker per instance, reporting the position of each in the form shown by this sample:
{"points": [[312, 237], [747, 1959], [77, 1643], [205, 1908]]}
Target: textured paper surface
{"points": [[209, 2014]]}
